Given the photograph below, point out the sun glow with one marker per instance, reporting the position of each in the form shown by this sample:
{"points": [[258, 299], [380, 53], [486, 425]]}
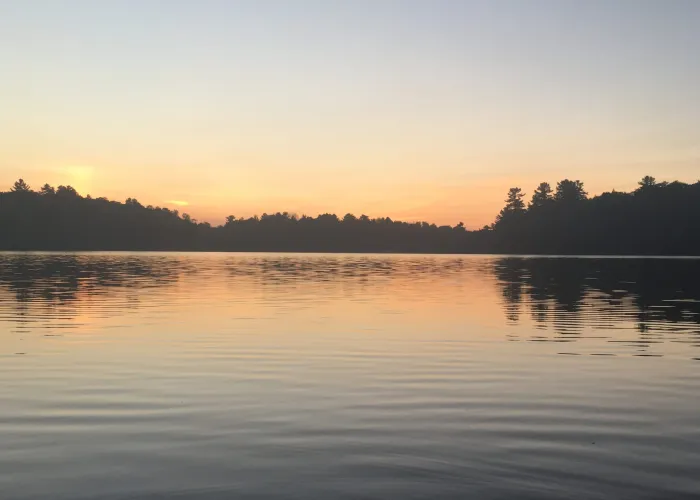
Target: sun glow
{"points": [[80, 177]]}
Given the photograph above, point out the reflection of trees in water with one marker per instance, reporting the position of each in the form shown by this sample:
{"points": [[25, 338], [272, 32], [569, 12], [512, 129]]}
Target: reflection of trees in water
{"points": [[63, 280], [60, 281], [322, 267], [61, 277], [552, 289], [510, 275], [562, 295], [321, 277], [568, 294]]}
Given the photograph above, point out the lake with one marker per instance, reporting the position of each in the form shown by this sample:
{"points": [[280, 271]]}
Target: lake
{"points": [[213, 376]]}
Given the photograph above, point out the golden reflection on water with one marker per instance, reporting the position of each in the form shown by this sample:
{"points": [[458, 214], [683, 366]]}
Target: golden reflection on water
{"points": [[374, 376], [546, 299]]}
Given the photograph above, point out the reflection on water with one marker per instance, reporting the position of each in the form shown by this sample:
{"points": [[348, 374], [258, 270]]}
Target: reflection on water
{"points": [[566, 297], [371, 376], [574, 297]]}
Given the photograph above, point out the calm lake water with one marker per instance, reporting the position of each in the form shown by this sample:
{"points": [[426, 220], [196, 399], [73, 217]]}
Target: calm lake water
{"points": [[348, 376]]}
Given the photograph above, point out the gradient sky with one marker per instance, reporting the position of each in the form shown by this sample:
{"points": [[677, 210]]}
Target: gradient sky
{"points": [[424, 110]]}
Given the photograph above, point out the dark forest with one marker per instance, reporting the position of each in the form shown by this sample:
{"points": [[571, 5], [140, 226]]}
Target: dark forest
{"points": [[658, 218]]}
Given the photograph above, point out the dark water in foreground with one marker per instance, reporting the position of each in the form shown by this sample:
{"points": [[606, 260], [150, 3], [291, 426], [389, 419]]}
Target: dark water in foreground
{"points": [[331, 376]]}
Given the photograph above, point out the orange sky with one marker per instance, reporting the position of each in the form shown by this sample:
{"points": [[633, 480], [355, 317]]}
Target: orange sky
{"points": [[430, 111]]}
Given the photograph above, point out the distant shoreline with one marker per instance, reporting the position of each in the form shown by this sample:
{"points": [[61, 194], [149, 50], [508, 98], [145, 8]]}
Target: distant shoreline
{"points": [[658, 218]]}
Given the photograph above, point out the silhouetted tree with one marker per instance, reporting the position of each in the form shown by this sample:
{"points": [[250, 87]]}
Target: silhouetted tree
{"points": [[514, 209], [133, 202], [647, 182], [67, 191], [569, 191], [46, 189], [542, 195], [664, 220], [20, 187]]}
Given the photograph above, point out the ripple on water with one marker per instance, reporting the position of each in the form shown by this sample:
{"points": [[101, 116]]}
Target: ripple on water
{"points": [[347, 376]]}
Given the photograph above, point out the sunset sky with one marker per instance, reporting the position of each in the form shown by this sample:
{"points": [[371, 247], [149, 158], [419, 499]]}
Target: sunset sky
{"points": [[417, 110]]}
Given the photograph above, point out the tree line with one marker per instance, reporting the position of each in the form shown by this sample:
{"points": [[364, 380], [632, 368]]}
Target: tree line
{"points": [[657, 218]]}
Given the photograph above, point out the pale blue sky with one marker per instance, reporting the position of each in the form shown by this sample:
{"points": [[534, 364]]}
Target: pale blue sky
{"points": [[416, 110]]}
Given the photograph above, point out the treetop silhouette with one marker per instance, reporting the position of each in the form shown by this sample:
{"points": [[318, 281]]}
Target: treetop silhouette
{"points": [[657, 218]]}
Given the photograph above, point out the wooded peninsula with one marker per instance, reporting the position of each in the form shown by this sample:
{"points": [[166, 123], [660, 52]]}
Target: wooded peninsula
{"points": [[658, 218]]}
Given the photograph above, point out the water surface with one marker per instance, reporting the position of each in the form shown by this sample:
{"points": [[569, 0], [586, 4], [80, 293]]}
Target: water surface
{"points": [[348, 376]]}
